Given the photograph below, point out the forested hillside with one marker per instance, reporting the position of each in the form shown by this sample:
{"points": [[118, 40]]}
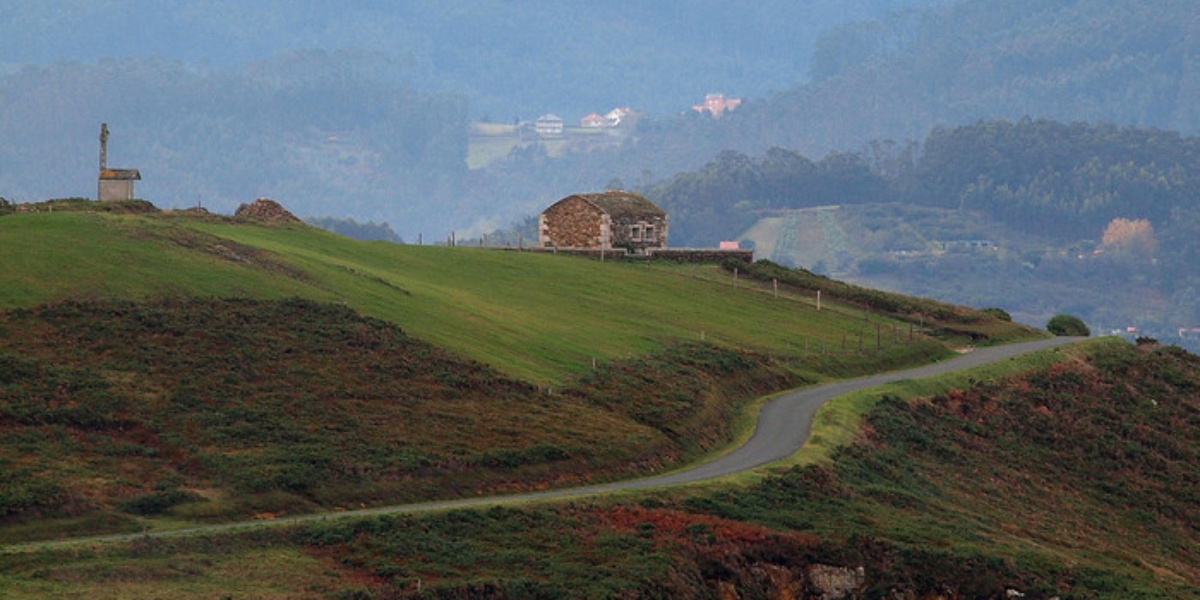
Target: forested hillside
{"points": [[877, 85], [1120, 61], [1035, 216], [1065, 182]]}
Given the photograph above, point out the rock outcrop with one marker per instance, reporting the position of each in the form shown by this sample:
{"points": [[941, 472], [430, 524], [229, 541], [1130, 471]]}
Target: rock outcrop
{"points": [[265, 209]]}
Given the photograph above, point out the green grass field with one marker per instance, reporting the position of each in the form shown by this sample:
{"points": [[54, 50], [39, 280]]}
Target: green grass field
{"points": [[536, 316]]}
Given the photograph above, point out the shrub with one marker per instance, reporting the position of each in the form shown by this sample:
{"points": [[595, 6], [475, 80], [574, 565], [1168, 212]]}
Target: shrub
{"points": [[157, 502], [1067, 325], [999, 313]]}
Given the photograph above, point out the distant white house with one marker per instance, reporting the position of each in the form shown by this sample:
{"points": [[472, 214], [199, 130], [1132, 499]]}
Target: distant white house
{"points": [[548, 125]]}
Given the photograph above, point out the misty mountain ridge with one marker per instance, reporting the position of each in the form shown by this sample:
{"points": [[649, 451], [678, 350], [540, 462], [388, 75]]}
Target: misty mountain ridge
{"points": [[352, 133], [508, 60]]}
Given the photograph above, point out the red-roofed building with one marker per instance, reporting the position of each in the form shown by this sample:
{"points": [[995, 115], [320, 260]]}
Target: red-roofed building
{"points": [[593, 121], [717, 103]]}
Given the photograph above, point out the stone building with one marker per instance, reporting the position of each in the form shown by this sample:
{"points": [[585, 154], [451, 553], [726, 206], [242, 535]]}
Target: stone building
{"points": [[114, 184], [608, 220]]}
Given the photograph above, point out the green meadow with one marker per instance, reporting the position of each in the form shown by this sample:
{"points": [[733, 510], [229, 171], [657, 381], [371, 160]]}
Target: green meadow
{"points": [[537, 316]]}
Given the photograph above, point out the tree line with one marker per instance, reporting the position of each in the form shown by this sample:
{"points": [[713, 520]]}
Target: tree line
{"points": [[1062, 181]]}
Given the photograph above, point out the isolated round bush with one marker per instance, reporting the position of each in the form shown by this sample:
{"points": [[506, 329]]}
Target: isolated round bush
{"points": [[1067, 325], [999, 313]]}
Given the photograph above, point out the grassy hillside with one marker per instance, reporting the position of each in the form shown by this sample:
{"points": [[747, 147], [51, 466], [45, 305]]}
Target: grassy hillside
{"points": [[1074, 481], [539, 317], [158, 368], [204, 410]]}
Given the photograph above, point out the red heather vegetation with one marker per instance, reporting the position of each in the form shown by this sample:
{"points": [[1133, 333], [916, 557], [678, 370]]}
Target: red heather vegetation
{"points": [[1076, 481], [210, 408]]}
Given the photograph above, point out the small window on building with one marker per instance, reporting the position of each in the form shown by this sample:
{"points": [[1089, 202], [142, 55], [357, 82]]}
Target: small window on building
{"points": [[649, 234], [635, 233]]}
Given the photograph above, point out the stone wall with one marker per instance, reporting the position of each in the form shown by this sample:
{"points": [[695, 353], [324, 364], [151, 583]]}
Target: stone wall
{"points": [[572, 223], [115, 189], [700, 254]]}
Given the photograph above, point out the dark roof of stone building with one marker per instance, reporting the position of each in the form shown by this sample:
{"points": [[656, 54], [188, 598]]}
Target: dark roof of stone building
{"points": [[620, 204]]}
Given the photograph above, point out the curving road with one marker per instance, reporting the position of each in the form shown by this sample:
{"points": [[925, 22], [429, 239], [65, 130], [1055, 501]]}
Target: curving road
{"points": [[783, 426]]}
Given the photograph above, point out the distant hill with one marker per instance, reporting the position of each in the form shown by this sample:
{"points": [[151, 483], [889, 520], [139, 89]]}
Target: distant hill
{"points": [[1035, 216], [363, 112], [879, 84], [506, 60], [1124, 62]]}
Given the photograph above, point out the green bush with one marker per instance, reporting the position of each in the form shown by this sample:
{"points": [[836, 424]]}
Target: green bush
{"points": [[1067, 325], [999, 313], [157, 502]]}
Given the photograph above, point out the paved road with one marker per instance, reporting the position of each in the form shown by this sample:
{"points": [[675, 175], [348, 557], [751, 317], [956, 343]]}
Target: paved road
{"points": [[783, 426]]}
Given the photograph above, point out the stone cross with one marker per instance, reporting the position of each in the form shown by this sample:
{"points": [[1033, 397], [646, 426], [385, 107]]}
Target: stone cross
{"points": [[103, 146]]}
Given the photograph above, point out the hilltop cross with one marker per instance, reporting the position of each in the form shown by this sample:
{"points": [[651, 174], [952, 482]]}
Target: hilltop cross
{"points": [[114, 184], [103, 146]]}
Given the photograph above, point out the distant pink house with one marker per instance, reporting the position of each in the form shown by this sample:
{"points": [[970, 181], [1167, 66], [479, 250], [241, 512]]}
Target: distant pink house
{"points": [[717, 103], [728, 245]]}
